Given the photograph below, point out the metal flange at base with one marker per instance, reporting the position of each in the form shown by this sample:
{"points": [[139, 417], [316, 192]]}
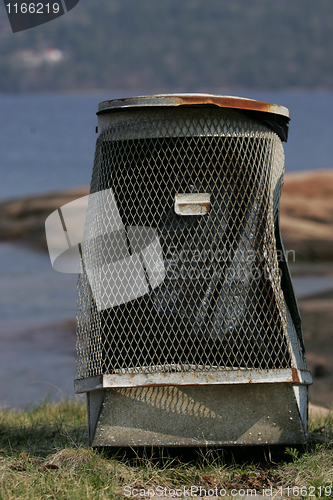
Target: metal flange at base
{"points": [[194, 416]]}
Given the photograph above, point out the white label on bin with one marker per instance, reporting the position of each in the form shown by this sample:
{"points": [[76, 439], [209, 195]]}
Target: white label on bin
{"points": [[192, 203]]}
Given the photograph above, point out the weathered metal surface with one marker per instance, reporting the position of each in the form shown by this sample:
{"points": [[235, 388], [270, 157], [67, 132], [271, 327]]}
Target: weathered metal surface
{"points": [[200, 416], [302, 397], [192, 203], [88, 384], [94, 406], [193, 99], [212, 377], [295, 377]]}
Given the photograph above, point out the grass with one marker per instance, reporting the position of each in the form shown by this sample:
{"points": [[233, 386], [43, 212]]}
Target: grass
{"points": [[44, 455]]}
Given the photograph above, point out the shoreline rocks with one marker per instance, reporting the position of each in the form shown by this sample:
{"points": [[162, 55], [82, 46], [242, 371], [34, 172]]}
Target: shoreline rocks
{"points": [[22, 220], [306, 214]]}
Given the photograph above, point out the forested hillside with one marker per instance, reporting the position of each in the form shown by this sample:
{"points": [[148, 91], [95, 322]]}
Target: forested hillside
{"points": [[173, 45]]}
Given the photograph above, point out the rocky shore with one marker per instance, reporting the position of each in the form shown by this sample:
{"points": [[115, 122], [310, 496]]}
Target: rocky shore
{"points": [[306, 215], [22, 220]]}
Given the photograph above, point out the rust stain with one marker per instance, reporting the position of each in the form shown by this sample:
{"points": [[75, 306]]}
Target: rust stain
{"points": [[295, 377], [194, 100], [227, 102]]}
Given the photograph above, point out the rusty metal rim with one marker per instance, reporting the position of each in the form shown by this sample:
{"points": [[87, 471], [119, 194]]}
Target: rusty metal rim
{"points": [[256, 376], [222, 101]]}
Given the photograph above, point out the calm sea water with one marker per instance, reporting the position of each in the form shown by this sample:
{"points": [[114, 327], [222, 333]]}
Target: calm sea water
{"points": [[47, 143]]}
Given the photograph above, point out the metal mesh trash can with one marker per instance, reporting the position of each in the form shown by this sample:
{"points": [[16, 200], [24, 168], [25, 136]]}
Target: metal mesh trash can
{"points": [[188, 329]]}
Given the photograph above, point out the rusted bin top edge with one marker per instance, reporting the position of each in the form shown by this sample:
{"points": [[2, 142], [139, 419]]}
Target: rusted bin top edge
{"points": [[221, 101]]}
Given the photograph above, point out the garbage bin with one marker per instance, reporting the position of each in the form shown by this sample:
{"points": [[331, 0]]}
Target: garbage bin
{"points": [[188, 328]]}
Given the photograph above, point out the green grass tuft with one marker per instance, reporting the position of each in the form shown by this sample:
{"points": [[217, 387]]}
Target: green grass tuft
{"points": [[44, 455]]}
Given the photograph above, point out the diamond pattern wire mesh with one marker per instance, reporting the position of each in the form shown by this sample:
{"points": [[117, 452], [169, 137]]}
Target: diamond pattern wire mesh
{"points": [[220, 303]]}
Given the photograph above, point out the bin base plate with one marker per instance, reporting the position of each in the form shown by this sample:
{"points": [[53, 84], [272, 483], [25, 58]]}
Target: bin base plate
{"points": [[211, 415]]}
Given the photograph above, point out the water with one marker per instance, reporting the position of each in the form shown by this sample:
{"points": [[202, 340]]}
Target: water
{"points": [[310, 145], [47, 143], [37, 318], [305, 286], [31, 292]]}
